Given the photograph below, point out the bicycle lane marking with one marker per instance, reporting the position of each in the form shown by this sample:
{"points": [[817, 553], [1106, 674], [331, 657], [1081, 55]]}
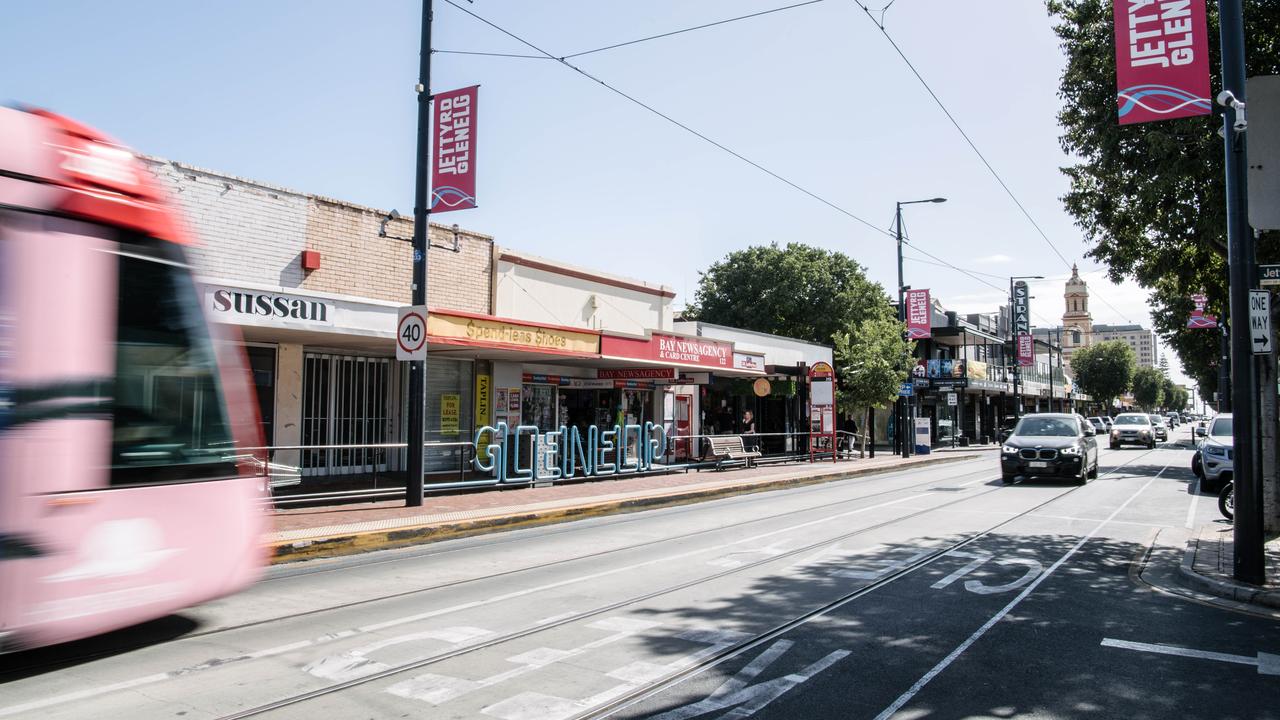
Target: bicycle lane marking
{"points": [[1000, 615]]}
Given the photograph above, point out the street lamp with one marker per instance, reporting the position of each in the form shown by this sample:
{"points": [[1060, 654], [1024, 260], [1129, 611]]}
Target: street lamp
{"points": [[1017, 370], [902, 414]]}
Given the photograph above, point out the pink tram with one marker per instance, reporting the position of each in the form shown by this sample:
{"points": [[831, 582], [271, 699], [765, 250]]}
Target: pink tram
{"points": [[121, 498]]}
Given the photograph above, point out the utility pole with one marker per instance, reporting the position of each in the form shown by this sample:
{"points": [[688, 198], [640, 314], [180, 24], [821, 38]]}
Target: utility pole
{"points": [[901, 420], [905, 433], [421, 219], [1249, 560]]}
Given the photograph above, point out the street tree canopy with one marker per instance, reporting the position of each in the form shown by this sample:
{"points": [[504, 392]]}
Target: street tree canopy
{"points": [[871, 362], [1150, 197], [1105, 370], [818, 295], [1148, 388], [797, 291]]}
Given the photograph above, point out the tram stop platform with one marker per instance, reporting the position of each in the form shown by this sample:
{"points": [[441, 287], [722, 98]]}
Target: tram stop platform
{"points": [[334, 530]]}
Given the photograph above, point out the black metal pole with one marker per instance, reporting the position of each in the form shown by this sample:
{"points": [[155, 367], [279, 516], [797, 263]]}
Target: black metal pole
{"points": [[421, 219], [901, 423], [1249, 560]]}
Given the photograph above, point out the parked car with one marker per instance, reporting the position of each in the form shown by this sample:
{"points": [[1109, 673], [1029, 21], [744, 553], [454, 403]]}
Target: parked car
{"points": [[1132, 429], [1216, 454], [1106, 419], [1050, 444], [1098, 424]]}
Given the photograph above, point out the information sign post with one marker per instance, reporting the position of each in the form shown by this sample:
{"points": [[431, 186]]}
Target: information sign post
{"points": [[822, 406]]}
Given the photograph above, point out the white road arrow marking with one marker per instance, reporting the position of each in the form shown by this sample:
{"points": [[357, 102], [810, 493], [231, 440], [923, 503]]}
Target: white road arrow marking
{"points": [[1266, 663]]}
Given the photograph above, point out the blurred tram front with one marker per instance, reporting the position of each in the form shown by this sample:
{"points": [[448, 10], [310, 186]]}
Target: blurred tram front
{"points": [[121, 498]]}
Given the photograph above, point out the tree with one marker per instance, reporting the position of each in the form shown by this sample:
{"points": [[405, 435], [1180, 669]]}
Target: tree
{"points": [[1150, 197], [871, 362], [1104, 370], [1148, 388], [796, 291], [1175, 396]]}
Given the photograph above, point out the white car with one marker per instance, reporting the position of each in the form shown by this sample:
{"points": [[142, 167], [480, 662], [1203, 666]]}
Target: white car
{"points": [[1216, 454], [1132, 429]]}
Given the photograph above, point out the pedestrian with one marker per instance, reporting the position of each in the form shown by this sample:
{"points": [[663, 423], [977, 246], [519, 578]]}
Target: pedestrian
{"points": [[749, 441]]}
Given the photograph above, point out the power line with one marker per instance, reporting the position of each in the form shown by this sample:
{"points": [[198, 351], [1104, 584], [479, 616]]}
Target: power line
{"points": [[672, 120], [614, 46], [719, 145], [691, 29], [880, 24]]}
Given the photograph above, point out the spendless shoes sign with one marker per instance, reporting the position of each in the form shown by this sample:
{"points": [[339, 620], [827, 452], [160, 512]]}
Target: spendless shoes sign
{"points": [[1162, 60]]}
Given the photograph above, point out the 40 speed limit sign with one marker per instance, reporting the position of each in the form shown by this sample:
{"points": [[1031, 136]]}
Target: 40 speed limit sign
{"points": [[411, 333]]}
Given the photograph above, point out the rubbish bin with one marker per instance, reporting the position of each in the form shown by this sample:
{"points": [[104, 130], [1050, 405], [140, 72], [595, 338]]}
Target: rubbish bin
{"points": [[986, 439], [964, 441]]}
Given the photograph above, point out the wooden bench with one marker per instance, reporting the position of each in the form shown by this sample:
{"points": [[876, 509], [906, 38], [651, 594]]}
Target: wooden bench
{"points": [[730, 448]]}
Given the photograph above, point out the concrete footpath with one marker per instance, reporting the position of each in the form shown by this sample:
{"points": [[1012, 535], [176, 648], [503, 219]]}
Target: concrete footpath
{"points": [[330, 531], [1207, 566]]}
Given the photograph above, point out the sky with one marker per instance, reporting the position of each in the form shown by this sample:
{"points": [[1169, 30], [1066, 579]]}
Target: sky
{"points": [[318, 96]]}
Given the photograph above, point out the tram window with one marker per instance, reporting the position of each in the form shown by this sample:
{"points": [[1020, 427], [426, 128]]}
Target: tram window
{"points": [[169, 421]]}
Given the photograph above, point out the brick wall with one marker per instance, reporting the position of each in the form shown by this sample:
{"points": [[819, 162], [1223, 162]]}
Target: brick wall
{"points": [[255, 233]]}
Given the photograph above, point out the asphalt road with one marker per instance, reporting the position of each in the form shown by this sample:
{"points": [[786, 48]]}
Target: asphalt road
{"points": [[934, 593]]}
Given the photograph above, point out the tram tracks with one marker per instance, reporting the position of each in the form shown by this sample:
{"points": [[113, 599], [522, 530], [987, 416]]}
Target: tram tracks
{"points": [[723, 655], [28, 669]]}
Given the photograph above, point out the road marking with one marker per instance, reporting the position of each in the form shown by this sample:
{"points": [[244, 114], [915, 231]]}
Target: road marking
{"points": [[978, 559], [1191, 510], [1266, 663], [951, 657], [975, 482], [331, 637], [750, 699]]}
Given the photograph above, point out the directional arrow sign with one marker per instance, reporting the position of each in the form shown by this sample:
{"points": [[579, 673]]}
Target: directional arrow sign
{"points": [[1260, 321]]}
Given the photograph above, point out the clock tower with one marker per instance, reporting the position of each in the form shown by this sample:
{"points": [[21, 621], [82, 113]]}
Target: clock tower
{"points": [[1077, 323]]}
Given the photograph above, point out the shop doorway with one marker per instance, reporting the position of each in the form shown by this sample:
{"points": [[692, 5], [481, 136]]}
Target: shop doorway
{"points": [[345, 402]]}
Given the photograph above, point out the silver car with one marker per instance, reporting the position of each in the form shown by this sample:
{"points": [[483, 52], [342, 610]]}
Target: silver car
{"points": [[1216, 453]]}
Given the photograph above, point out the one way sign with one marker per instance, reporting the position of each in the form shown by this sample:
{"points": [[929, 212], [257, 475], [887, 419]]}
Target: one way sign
{"points": [[1260, 321]]}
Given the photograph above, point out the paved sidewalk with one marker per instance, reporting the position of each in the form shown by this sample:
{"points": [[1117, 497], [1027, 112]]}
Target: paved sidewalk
{"points": [[1207, 566], [306, 533]]}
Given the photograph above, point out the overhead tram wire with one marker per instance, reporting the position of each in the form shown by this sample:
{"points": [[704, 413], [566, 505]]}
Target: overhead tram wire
{"points": [[637, 41], [972, 145], [710, 141]]}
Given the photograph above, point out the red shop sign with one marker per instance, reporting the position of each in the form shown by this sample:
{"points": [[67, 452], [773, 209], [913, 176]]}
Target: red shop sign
{"points": [[673, 349]]}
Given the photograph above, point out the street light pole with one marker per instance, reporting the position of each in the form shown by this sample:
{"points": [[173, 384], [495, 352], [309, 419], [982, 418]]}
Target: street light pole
{"points": [[1249, 558], [421, 219], [903, 432]]}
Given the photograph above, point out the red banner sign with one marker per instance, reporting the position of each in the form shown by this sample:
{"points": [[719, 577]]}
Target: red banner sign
{"points": [[673, 349], [1026, 350], [1162, 60], [1199, 320], [637, 373], [453, 174], [919, 315]]}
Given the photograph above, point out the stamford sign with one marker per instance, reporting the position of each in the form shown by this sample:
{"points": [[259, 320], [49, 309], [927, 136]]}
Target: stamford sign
{"points": [[255, 307]]}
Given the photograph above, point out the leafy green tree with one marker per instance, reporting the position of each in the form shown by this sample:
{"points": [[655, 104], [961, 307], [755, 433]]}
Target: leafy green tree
{"points": [[1175, 396], [797, 291], [1150, 197], [818, 295], [1104, 370], [1148, 388], [871, 362]]}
